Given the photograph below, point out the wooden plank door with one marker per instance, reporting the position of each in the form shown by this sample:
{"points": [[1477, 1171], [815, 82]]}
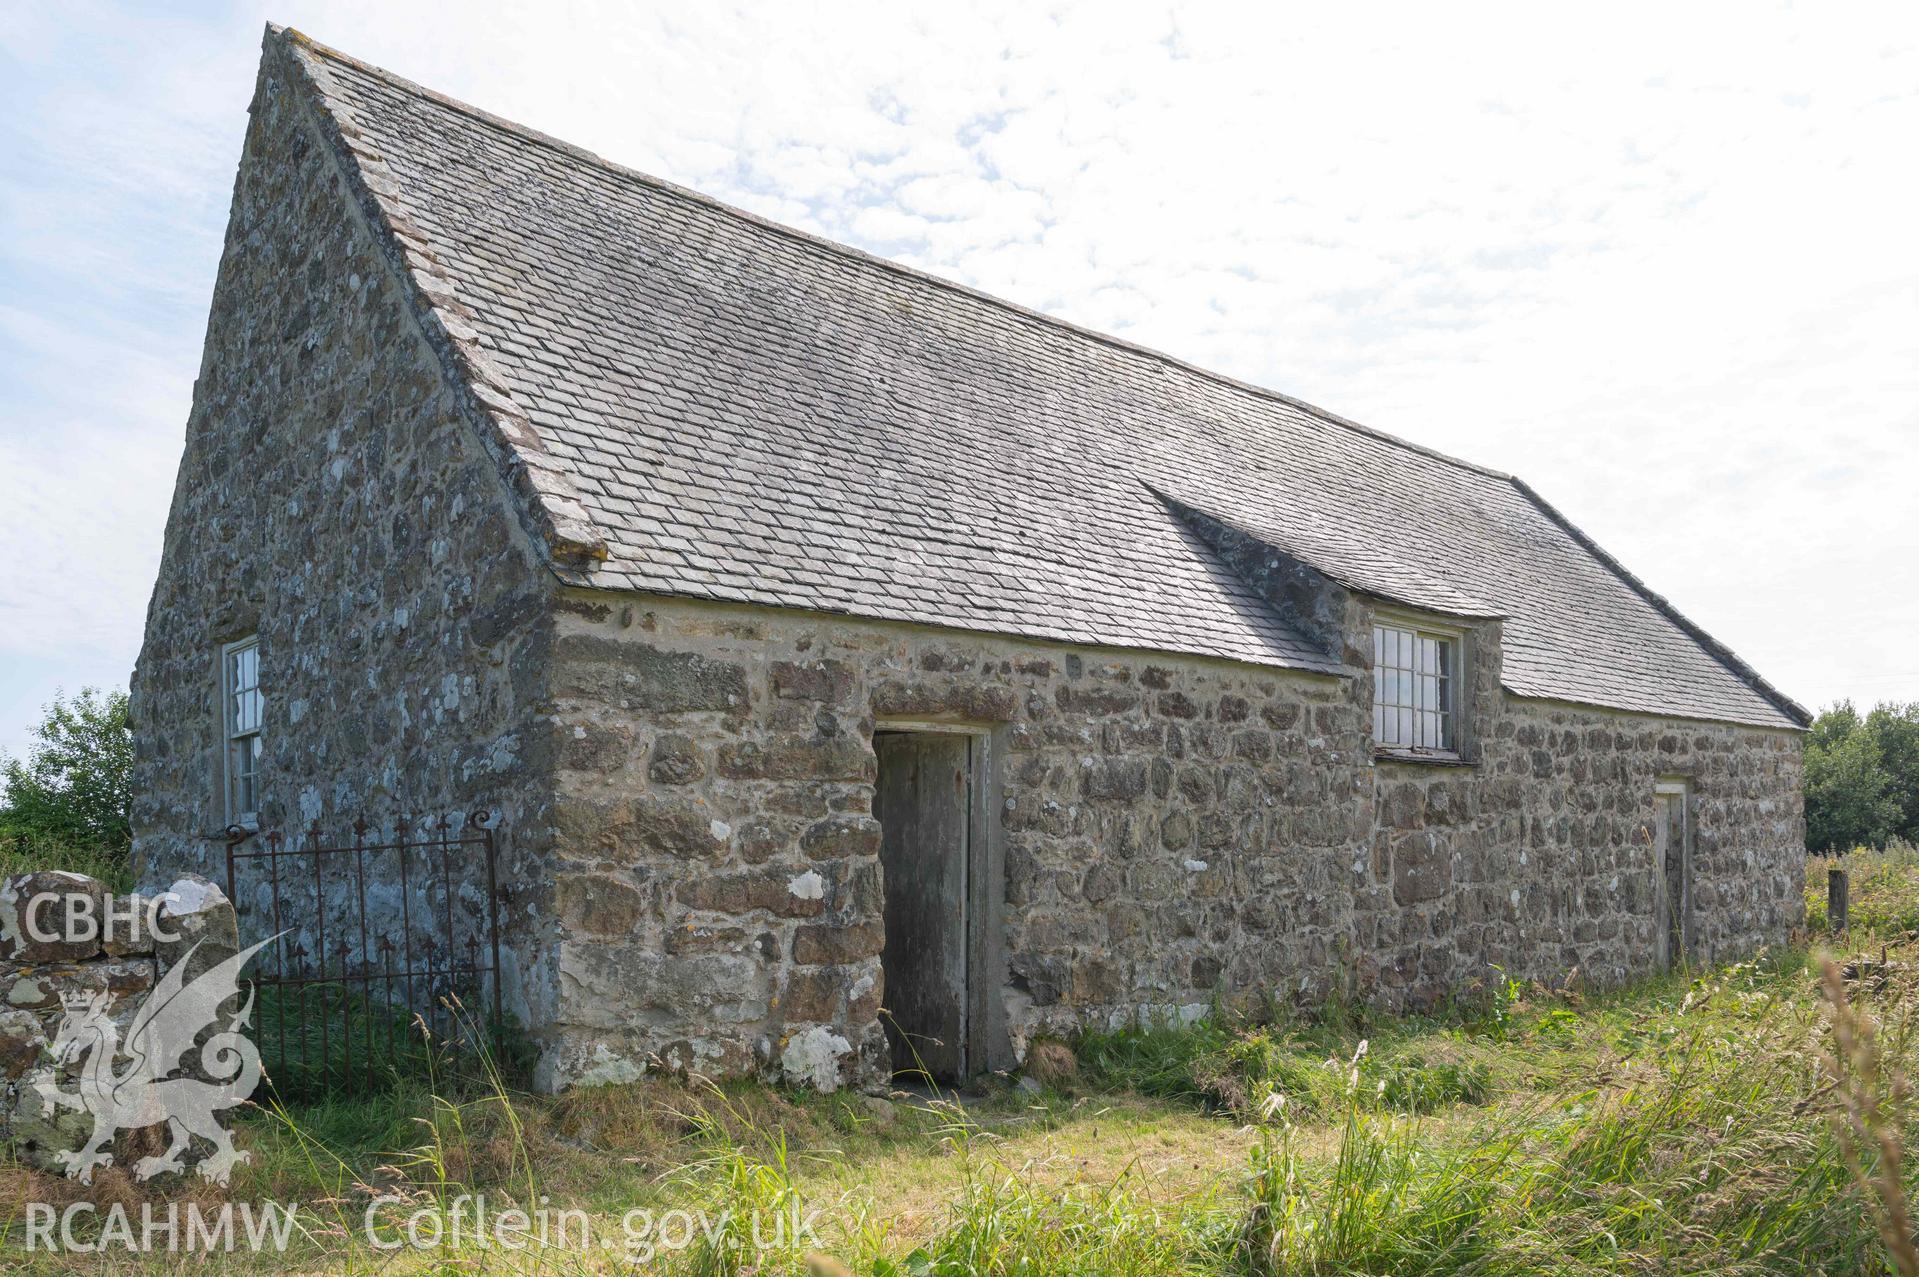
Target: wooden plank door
{"points": [[1672, 866], [924, 802]]}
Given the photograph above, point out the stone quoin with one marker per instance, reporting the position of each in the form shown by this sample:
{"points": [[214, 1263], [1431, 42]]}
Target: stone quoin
{"points": [[868, 673]]}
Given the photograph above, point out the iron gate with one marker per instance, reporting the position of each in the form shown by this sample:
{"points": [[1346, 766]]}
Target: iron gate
{"points": [[386, 949]]}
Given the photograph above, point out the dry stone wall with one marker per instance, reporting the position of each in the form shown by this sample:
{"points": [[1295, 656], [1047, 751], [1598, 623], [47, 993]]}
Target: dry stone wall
{"points": [[66, 936], [1175, 830]]}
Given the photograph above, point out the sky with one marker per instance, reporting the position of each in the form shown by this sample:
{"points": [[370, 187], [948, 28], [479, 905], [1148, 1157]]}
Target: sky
{"points": [[1657, 260]]}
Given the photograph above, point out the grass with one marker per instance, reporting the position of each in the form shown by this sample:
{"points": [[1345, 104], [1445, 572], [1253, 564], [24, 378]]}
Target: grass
{"points": [[27, 853], [1884, 893], [1750, 1118], [1412, 1064], [325, 1039]]}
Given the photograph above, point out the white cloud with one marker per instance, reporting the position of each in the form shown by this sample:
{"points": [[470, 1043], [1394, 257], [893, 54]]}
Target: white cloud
{"points": [[1657, 259]]}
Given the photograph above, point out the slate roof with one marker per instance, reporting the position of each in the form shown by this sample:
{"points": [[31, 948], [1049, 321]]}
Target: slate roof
{"points": [[737, 410]]}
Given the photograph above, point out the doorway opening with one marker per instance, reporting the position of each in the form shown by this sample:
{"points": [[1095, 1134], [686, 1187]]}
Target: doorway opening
{"points": [[1672, 869], [941, 914]]}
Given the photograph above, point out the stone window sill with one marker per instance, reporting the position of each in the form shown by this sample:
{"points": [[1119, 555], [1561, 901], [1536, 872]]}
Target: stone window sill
{"points": [[1421, 758]]}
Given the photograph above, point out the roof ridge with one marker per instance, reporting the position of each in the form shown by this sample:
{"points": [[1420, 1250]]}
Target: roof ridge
{"points": [[862, 257], [1733, 662], [548, 498]]}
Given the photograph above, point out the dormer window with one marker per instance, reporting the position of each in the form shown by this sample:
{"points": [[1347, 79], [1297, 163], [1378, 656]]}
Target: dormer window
{"points": [[1415, 689]]}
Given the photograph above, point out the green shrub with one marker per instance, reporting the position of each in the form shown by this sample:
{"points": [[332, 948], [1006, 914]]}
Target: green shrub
{"points": [[75, 786]]}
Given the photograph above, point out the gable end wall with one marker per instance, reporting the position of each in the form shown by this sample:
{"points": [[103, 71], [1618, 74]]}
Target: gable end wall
{"points": [[334, 498]]}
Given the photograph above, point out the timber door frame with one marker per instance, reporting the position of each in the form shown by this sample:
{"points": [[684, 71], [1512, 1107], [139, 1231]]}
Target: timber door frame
{"points": [[985, 1045], [1673, 939]]}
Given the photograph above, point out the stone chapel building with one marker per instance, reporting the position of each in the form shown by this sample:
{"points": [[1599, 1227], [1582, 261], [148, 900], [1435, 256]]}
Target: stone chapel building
{"points": [[830, 637]]}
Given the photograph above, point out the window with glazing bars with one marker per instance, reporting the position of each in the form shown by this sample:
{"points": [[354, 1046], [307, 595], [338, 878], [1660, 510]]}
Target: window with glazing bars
{"points": [[240, 711], [1413, 688]]}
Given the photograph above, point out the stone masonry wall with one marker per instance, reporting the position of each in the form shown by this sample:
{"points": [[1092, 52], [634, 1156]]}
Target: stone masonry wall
{"points": [[1175, 829], [1540, 859], [718, 881], [334, 500]]}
